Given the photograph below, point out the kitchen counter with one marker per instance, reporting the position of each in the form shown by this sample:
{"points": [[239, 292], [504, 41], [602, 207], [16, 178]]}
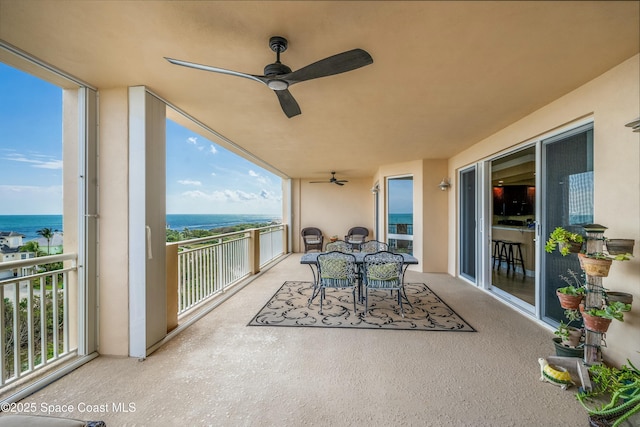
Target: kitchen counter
{"points": [[522, 229]]}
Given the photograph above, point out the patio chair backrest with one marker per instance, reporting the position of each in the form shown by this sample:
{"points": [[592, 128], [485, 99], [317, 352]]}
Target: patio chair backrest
{"points": [[340, 246], [357, 235], [337, 269], [383, 270], [372, 246], [313, 238]]}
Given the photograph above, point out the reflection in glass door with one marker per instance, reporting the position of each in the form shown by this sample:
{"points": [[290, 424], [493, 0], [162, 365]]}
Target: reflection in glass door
{"points": [[513, 220], [400, 214], [468, 224], [568, 203]]}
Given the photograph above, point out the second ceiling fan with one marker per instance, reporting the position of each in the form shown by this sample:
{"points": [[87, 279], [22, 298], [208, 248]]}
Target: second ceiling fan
{"points": [[279, 77], [333, 180]]}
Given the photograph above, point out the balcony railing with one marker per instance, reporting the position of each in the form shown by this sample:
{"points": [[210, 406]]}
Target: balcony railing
{"points": [[208, 265], [34, 315]]}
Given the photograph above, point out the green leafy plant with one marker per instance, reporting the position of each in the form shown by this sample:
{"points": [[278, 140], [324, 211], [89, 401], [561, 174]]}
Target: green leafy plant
{"points": [[572, 290], [562, 238], [614, 310], [572, 315], [623, 387], [564, 331]]}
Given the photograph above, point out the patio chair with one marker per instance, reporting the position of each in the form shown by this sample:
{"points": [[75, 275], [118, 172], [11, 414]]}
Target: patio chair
{"points": [[372, 246], [337, 270], [356, 236], [383, 271], [313, 239], [340, 246]]}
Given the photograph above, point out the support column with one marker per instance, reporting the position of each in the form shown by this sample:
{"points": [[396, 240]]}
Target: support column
{"points": [[593, 340]]}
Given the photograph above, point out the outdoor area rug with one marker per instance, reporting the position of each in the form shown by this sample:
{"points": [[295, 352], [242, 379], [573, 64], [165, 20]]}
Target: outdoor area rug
{"points": [[289, 307]]}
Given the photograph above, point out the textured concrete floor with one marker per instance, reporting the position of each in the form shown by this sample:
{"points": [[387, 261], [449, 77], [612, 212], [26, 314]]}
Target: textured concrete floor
{"points": [[220, 372]]}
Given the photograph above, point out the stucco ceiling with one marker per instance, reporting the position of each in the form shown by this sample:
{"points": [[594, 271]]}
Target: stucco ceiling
{"points": [[445, 74]]}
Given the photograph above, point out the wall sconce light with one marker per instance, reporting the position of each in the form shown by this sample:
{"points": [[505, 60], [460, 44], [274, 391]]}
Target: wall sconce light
{"points": [[444, 184], [634, 124], [375, 189]]}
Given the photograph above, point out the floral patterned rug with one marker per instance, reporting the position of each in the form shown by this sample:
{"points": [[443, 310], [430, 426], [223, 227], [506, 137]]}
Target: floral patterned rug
{"points": [[427, 312]]}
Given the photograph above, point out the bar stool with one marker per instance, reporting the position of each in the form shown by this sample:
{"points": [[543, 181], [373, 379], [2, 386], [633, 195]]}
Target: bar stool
{"points": [[496, 256], [513, 257]]}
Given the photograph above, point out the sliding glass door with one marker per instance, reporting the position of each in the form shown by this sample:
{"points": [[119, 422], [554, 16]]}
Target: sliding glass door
{"points": [[468, 221], [513, 219], [524, 195], [567, 202]]}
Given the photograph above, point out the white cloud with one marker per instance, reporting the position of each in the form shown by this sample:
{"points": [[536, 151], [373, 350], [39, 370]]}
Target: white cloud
{"points": [[222, 196], [47, 163], [261, 179], [192, 140], [212, 149], [189, 182]]}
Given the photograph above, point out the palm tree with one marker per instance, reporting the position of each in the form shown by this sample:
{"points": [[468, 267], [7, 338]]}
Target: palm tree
{"points": [[48, 234], [32, 246]]}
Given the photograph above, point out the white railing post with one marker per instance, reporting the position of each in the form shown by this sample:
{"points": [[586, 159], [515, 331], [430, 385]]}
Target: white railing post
{"points": [[207, 266], [20, 338]]}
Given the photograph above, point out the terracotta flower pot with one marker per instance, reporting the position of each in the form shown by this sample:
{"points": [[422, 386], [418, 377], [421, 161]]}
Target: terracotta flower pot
{"points": [[569, 302], [574, 247], [574, 337], [595, 266], [595, 323]]}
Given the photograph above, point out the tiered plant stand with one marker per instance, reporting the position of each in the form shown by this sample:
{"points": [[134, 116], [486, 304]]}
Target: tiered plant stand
{"points": [[593, 298]]}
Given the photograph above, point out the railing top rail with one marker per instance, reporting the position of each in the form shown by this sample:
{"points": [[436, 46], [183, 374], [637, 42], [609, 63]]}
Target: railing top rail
{"points": [[8, 265], [12, 280], [239, 234], [242, 233]]}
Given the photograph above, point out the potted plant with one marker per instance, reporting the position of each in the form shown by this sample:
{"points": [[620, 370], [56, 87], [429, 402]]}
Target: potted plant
{"points": [[623, 297], [564, 331], [571, 296], [595, 264], [569, 335], [598, 319], [598, 263], [622, 386], [565, 241]]}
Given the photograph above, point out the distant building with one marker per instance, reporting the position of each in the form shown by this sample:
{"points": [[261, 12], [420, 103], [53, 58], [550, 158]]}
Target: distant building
{"points": [[10, 243], [54, 246]]}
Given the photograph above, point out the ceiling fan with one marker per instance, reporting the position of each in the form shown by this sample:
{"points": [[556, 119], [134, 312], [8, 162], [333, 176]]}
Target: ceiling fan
{"points": [[279, 77], [333, 180]]}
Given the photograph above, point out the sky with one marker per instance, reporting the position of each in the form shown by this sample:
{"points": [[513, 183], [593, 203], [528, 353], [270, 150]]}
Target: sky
{"points": [[400, 196], [202, 177]]}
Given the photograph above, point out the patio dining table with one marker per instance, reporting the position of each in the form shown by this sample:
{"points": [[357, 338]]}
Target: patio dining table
{"points": [[311, 259]]}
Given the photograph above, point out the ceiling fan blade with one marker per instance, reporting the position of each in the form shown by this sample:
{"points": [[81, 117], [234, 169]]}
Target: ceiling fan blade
{"points": [[336, 64], [288, 103], [259, 79], [341, 180], [338, 183]]}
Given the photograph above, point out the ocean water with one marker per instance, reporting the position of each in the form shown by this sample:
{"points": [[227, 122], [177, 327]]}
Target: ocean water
{"points": [[30, 224], [208, 221], [400, 218]]}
